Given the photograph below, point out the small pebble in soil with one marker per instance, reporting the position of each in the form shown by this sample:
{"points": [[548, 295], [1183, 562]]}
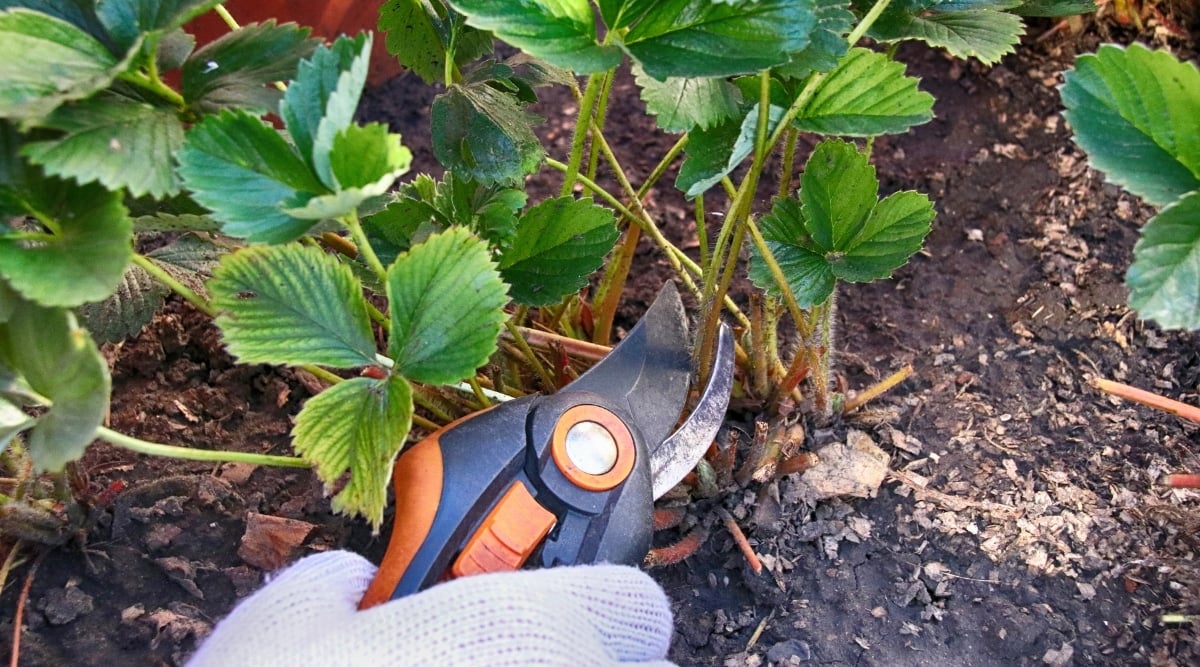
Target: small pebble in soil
{"points": [[791, 651], [63, 605]]}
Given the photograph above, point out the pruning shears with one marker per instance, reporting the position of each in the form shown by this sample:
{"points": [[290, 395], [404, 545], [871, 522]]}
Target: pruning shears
{"points": [[560, 479]]}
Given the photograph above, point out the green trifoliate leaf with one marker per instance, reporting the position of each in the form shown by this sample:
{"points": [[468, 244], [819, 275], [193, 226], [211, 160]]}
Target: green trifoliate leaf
{"points": [[1164, 280], [246, 173], [358, 426], [13, 420], [364, 162], [1134, 112], [59, 361], [45, 61], [559, 243], [322, 100], [424, 206], [1055, 8], [291, 304], [827, 41], [983, 34], [127, 20], [837, 229], [121, 144], [679, 105], [79, 13], [867, 94], [82, 260], [485, 133], [694, 38], [420, 32], [714, 153], [446, 303], [561, 32], [235, 70]]}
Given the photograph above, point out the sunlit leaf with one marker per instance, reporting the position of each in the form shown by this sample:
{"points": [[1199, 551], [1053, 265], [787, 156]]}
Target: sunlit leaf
{"points": [[867, 94], [291, 304], [562, 32], [236, 69], [420, 32], [559, 243], [679, 104]]}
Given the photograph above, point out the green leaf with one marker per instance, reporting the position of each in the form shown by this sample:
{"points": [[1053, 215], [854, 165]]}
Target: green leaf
{"points": [[45, 61], [358, 426], [680, 104], [234, 71], [561, 32], [131, 307], [365, 161], [698, 38], [13, 420], [420, 32], [121, 144], [423, 204], [984, 34], [827, 42], [291, 304], [1134, 112], [322, 100], [246, 174], [82, 259], [1164, 280], [866, 95], [713, 154], [446, 303], [175, 222], [837, 230], [1054, 8], [485, 133], [128, 20], [559, 243], [58, 360]]}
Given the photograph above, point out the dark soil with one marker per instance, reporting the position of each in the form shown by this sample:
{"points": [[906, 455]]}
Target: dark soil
{"points": [[1021, 523]]}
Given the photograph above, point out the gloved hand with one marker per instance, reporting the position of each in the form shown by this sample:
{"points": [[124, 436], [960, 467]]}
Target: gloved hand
{"points": [[587, 615]]}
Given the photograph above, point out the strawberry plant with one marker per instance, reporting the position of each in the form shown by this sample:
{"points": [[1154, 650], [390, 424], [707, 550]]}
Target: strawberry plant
{"points": [[269, 208], [1136, 113]]}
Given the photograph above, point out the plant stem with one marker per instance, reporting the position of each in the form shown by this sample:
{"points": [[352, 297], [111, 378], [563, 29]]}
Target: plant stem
{"points": [[530, 356], [320, 374], [701, 228], [200, 303], [227, 17], [599, 115], [877, 389], [608, 293], [359, 235], [583, 124], [789, 161], [156, 449]]}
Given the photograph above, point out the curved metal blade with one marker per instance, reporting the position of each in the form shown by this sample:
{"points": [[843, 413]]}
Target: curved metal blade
{"points": [[651, 369], [678, 454]]}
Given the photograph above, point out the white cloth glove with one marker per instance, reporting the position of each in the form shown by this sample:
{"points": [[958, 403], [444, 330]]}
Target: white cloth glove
{"points": [[588, 615]]}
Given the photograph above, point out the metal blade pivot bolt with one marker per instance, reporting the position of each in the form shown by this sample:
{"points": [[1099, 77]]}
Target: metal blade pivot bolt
{"points": [[591, 448]]}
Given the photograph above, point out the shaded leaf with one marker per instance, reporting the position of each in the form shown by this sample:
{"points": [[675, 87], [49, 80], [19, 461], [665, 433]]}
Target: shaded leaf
{"points": [[867, 94], [713, 154], [446, 303], [1055, 7], [700, 38], [45, 61], [13, 420], [120, 143], [419, 33], [246, 174], [1164, 280], [679, 104], [137, 297], [236, 70], [559, 243], [983, 34], [81, 261], [562, 32], [128, 20], [59, 361], [827, 42], [291, 304], [485, 133], [358, 426], [1134, 112]]}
